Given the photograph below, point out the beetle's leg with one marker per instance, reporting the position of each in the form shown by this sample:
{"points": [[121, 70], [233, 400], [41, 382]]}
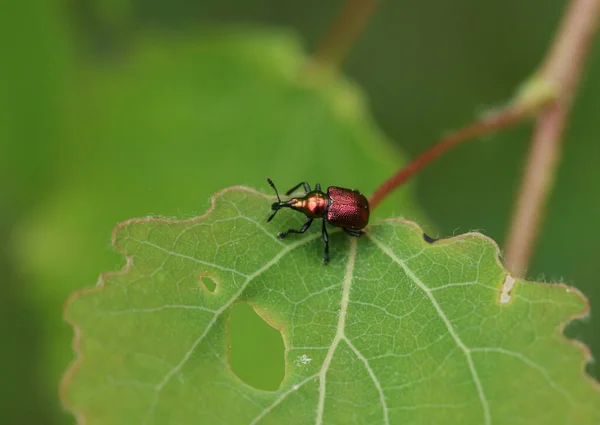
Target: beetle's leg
{"points": [[355, 233], [304, 184], [326, 240], [302, 230], [318, 187]]}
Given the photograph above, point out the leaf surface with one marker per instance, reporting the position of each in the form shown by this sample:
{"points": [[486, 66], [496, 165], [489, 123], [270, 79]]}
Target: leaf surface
{"points": [[172, 121], [395, 330]]}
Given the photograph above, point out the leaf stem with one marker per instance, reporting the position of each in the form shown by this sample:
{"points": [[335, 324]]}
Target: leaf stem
{"points": [[563, 67], [506, 117], [548, 96], [531, 98], [343, 32]]}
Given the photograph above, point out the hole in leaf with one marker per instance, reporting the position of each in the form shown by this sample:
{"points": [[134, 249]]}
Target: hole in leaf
{"points": [[256, 350], [208, 282]]}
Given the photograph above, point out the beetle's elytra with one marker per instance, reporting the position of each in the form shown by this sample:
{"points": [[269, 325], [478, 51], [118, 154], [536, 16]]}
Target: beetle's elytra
{"points": [[344, 208]]}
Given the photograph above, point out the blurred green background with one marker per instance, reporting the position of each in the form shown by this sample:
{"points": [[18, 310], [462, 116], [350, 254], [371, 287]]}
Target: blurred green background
{"points": [[101, 121]]}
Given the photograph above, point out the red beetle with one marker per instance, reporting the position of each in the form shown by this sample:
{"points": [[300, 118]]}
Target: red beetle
{"points": [[345, 208]]}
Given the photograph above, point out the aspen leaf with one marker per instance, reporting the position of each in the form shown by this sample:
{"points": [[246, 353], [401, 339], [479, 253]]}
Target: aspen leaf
{"points": [[397, 329]]}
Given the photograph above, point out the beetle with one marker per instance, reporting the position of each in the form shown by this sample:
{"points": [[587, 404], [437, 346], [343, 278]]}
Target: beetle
{"points": [[340, 207]]}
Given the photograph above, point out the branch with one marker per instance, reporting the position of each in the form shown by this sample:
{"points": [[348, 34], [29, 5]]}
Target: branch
{"points": [[534, 95], [548, 95], [504, 118], [343, 32], [562, 68]]}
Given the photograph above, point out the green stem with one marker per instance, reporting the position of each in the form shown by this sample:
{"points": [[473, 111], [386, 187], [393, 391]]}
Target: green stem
{"points": [[562, 67]]}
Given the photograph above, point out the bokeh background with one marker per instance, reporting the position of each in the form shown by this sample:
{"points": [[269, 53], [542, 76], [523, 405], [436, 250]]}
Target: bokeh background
{"points": [[126, 108]]}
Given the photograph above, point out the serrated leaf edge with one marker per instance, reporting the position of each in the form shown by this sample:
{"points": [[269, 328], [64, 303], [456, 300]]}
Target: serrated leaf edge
{"points": [[77, 332]]}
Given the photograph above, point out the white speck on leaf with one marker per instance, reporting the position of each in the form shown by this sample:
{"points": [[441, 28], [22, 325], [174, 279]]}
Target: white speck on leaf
{"points": [[303, 360], [507, 286]]}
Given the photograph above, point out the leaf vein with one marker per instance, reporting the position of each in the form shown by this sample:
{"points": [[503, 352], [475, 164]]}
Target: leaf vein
{"points": [[529, 363], [386, 419], [155, 309], [218, 313], [187, 257], [484, 402], [339, 334]]}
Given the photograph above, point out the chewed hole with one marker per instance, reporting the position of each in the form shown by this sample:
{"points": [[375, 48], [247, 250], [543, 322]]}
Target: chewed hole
{"points": [[208, 283], [256, 350]]}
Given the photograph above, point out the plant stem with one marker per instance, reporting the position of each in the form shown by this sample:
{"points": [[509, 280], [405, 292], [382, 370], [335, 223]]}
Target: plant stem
{"points": [[343, 32], [563, 66], [548, 96], [511, 115], [535, 188]]}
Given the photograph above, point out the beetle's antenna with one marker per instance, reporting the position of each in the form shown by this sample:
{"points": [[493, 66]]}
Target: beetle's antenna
{"points": [[274, 188], [276, 205], [272, 215]]}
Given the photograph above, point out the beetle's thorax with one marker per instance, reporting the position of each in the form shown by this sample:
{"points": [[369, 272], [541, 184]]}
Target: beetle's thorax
{"points": [[313, 205]]}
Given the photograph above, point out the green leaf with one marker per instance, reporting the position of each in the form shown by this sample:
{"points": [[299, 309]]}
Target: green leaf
{"points": [[169, 123], [395, 330]]}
